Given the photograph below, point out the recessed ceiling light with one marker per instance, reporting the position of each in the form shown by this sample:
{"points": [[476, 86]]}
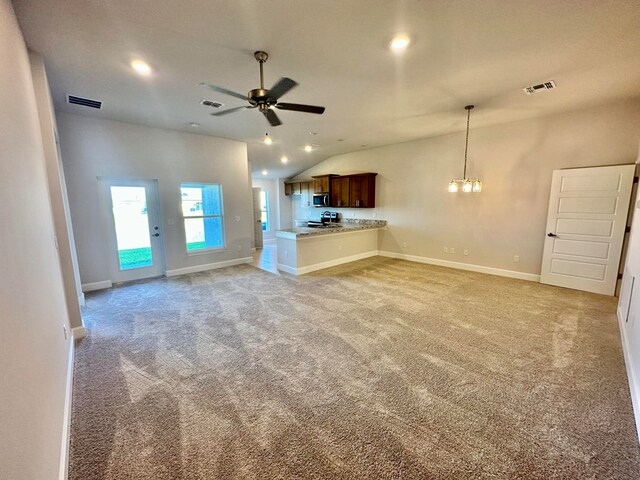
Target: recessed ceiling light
{"points": [[142, 68], [284, 159], [341, 139], [194, 124], [267, 139], [264, 172], [400, 42], [308, 148]]}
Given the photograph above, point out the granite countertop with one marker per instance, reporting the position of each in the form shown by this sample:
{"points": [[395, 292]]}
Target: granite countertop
{"points": [[346, 225]]}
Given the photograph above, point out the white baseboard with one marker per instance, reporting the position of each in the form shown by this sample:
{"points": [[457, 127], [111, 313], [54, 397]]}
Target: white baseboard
{"points": [[634, 386], [66, 420], [79, 333], [208, 266], [323, 265], [90, 287], [463, 266]]}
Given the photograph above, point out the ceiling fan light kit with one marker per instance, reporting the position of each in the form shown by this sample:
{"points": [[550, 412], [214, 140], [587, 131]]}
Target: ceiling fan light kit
{"points": [[265, 100], [468, 185]]}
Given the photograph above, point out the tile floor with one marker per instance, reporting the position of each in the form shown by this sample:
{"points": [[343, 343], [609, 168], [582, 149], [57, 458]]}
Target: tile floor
{"points": [[266, 258]]}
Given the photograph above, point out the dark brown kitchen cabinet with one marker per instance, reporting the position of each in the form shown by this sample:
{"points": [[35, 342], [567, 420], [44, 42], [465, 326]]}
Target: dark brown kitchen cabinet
{"points": [[322, 183], [362, 190], [288, 189], [297, 189], [340, 191]]}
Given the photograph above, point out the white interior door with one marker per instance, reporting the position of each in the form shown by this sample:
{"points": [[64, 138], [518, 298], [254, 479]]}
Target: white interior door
{"points": [[257, 218], [585, 227], [134, 226]]}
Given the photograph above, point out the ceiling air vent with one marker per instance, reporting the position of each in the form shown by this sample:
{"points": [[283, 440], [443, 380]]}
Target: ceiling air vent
{"points": [[211, 103], [85, 102], [540, 87]]}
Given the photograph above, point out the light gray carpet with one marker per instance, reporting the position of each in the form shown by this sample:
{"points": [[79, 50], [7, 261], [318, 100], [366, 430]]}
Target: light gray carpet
{"points": [[379, 369]]}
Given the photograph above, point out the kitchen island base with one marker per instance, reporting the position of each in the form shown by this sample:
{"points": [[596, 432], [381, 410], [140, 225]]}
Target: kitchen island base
{"points": [[298, 255]]}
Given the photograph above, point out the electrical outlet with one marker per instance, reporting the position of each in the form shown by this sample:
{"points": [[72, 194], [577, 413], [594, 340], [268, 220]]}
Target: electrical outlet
{"points": [[516, 258], [237, 218], [452, 250], [446, 250], [465, 252], [353, 214]]}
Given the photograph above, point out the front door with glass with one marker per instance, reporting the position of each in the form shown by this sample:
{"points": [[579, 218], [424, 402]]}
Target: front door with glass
{"points": [[135, 241]]}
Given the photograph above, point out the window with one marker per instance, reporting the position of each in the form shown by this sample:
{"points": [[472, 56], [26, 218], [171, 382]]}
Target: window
{"points": [[203, 216], [264, 208]]}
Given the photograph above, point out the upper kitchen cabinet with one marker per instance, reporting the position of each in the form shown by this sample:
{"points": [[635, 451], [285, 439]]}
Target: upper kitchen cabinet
{"points": [[362, 190], [307, 193], [322, 183], [339, 191]]}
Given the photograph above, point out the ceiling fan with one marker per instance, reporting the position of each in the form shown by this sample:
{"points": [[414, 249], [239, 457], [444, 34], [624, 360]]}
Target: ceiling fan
{"points": [[266, 100]]}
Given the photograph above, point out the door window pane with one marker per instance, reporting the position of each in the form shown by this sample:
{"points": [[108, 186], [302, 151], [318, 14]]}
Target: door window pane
{"points": [[132, 227], [264, 208], [203, 216]]}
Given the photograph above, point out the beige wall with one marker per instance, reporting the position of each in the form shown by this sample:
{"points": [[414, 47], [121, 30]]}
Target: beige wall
{"points": [[93, 147], [57, 193], [515, 162], [33, 351]]}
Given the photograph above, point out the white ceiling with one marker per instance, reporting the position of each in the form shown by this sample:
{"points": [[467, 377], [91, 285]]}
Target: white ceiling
{"points": [[480, 52]]}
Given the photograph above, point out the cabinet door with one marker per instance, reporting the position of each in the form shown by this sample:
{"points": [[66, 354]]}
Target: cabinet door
{"points": [[363, 191], [307, 192], [321, 185], [297, 190], [288, 189], [340, 192]]}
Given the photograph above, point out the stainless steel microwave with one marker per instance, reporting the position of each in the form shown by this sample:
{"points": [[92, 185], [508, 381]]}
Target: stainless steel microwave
{"points": [[321, 200]]}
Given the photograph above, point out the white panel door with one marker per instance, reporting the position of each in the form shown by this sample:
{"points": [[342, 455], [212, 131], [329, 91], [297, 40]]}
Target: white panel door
{"points": [[134, 239], [585, 227]]}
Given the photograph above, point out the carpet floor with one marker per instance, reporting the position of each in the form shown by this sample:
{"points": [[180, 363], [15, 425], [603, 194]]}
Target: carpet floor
{"points": [[378, 369]]}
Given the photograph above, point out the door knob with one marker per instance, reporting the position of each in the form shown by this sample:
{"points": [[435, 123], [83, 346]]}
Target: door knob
{"points": [[551, 235], [156, 235]]}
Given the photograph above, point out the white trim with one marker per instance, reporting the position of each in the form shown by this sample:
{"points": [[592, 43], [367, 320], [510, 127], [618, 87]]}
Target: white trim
{"points": [[634, 386], [323, 265], [463, 266], [90, 287], [81, 300], [66, 420], [78, 333], [208, 266]]}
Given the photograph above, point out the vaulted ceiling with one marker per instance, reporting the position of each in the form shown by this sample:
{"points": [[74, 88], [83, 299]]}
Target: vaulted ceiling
{"points": [[481, 52]]}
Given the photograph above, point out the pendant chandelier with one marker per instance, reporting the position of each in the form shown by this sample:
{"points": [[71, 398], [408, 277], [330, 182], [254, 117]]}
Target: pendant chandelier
{"points": [[468, 185]]}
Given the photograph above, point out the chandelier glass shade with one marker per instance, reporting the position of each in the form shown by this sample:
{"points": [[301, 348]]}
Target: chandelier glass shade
{"points": [[467, 185]]}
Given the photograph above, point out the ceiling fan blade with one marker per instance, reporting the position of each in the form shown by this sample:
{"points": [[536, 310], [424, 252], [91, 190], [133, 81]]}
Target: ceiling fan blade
{"points": [[272, 117], [224, 112], [296, 107], [223, 90], [281, 87]]}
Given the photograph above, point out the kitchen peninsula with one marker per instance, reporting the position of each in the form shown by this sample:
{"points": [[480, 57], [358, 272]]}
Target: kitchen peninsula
{"points": [[305, 249]]}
